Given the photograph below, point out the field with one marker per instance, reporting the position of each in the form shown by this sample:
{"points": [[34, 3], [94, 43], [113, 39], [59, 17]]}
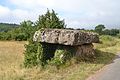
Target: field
{"points": [[11, 63], [11, 58]]}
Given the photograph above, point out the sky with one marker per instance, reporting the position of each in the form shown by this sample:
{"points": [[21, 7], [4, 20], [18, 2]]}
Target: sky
{"points": [[77, 13]]}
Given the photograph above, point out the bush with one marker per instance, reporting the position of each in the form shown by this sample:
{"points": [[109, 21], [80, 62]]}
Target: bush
{"points": [[118, 35], [59, 57], [62, 55], [106, 41], [21, 37], [5, 36], [36, 54], [32, 54]]}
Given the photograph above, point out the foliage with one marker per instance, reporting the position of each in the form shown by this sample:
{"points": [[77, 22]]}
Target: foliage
{"points": [[60, 57], [47, 53], [50, 20], [28, 28], [99, 28], [34, 57], [112, 32], [31, 54], [107, 41], [21, 33], [21, 37], [6, 31], [118, 35], [5, 27]]}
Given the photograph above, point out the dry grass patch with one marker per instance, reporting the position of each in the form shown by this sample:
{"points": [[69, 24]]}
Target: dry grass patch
{"points": [[11, 57], [11, 64]]}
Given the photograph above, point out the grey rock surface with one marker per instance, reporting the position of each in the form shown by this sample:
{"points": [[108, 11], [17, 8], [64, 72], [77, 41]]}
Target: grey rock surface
{"points": [[85, 50], [65, 37]]}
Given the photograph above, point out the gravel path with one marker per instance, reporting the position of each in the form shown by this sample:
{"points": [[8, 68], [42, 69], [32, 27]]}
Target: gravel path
{"points": [[109, 72]]}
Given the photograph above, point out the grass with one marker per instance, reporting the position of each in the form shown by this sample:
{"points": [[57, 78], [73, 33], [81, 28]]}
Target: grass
{"points": [[11, 63], [11, 57]]}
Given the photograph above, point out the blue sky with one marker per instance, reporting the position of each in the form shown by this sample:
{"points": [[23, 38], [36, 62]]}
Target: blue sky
{"points": [[77, 13]]}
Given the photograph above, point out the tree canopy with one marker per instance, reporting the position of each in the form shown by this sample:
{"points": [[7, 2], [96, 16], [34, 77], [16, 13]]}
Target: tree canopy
{"points": [[99, 28], [50, 20]]}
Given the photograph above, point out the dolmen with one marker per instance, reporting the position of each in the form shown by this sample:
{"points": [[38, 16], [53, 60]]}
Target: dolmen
{"points": [[81, 41]]}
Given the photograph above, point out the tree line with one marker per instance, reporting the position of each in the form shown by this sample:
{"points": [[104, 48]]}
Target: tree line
{"points": [[23, 31], [101, 29]]}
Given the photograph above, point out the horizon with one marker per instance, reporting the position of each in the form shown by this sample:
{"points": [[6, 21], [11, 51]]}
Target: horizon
{"points": [[77, 14]]}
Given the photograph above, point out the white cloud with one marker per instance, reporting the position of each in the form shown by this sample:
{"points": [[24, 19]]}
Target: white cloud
{"points": [[32, 3], [18, 15], [76, 12], [4, 11]]}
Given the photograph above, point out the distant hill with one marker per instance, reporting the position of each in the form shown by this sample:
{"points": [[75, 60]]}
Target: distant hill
{"points": [[4, 27]]}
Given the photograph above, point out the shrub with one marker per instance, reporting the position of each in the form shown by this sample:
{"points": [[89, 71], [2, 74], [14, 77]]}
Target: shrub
{"points": [[36, 54], [59, 57], [62, 55], [107, 41], [32, 54], [21, 37], [118, 35]]}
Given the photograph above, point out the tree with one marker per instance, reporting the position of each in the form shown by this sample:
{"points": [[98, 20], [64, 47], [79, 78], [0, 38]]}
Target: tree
{"points": [[27, 28], [50, 20], [106, 32], [34, 49], [114, 32], [99, 29]]}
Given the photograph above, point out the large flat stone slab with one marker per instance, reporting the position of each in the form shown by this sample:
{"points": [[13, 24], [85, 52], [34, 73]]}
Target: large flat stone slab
{"points": [[65, 37]]}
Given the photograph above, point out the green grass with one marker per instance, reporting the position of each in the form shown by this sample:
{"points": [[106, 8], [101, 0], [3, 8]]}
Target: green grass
{"points": [[107, 41], [11, 63]]}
